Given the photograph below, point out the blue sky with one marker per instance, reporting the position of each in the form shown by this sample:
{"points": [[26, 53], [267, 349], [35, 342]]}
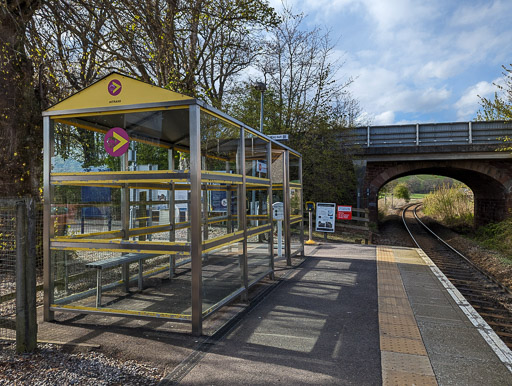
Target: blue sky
{"points": [[416, 61]]}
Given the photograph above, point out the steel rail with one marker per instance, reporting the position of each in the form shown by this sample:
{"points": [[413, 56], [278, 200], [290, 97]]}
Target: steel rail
{"points": [[486, 274]]}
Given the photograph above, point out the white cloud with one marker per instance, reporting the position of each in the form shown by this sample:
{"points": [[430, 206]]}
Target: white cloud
{"points": [[385, 118], [381, 91], [471, 14], [413, 59], [468, 104], [440, 69], [392, 15]]}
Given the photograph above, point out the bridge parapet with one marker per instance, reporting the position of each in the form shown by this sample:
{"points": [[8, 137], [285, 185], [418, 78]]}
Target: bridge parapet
{"points": [[432, 134], [465, 151]]}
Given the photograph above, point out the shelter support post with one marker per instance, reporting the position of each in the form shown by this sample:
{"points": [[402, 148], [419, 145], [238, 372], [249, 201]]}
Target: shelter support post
{"points": [[195, 219], [48, 230], [269, 211], [287, 208], [242, 214]]}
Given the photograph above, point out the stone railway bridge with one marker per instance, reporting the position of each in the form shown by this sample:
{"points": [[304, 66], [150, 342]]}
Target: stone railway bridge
{"points": [[468, 151]]}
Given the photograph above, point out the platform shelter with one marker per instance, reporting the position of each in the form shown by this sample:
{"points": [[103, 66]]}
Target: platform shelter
{"points": [[157, 205]]}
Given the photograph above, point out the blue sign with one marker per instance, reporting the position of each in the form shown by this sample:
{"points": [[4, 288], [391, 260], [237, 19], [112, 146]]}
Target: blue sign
{"points": [[95, 194], [219, 201]]}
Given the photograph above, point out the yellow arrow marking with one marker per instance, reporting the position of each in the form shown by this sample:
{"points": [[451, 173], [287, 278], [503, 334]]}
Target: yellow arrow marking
{"points": [[118, 86], [121, 140]]}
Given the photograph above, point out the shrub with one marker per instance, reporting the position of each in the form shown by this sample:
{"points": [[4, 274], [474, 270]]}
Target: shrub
{"points": [[450, 205], [497, 236], [402, 191]]}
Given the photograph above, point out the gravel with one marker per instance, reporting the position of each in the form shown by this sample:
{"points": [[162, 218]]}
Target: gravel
{"points": [[50, 365]]}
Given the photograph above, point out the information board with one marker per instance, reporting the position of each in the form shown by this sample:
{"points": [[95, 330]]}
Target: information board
{"points": [[325, 217], [261, 166], [344, 212], [218, 201]]}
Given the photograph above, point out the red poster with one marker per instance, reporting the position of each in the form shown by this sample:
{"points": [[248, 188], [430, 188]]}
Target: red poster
{"points": [[344, 212]]}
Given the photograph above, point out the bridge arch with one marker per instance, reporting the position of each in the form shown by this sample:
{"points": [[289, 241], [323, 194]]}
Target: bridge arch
{"points": [[490, 182]]}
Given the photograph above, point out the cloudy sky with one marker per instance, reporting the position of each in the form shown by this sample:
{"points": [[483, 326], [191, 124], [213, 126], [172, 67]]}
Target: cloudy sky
{"points": [[417, 60]]}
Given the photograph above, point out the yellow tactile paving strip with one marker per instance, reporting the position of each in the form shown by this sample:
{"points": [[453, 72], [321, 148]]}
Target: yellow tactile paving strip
{"points": [[404, 359]]}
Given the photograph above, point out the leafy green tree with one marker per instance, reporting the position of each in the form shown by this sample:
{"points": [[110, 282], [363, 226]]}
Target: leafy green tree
{"points": [[501, 107], [401, 191]]}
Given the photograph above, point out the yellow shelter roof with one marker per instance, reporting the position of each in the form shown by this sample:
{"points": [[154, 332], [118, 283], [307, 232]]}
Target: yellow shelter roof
{"points": [[117, 90]]}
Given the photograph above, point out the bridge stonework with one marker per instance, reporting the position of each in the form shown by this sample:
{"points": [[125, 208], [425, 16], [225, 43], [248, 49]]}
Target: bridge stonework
{"points": [[489, 179]]}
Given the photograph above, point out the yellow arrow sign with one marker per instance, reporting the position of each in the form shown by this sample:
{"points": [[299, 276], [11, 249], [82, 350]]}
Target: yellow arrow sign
{"points": [[121, 140], [117, 85]]}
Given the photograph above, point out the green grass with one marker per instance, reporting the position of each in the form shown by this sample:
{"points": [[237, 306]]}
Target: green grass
{"points": [[497, 236], [417, 196]]}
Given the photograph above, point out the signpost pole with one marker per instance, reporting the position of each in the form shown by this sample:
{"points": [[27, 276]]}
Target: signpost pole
{"points": [[310, 207], [310, 241], [279, 238]]}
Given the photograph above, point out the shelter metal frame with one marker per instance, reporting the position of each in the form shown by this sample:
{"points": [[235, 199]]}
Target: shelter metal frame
{"points": [[197, 181]]}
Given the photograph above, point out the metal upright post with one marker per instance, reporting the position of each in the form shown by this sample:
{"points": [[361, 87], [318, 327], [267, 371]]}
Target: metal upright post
{"points": [[269, 209], [48, 229], [125, 219], [301, 206], [261, 87], [242, 213], [287, 208], [470, 133], [195, 219], [229, 215], [172, 214]]}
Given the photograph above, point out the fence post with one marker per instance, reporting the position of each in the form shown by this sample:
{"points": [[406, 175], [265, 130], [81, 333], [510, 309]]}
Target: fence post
{"points": [[26, 325], [31, 275]]}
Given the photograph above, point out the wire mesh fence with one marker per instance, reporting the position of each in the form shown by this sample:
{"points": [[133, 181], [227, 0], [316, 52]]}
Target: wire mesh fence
{"points": [[8, 256]]}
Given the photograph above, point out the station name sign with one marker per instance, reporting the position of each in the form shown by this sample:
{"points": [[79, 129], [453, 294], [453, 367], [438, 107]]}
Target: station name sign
{"points": [[279, 137]]}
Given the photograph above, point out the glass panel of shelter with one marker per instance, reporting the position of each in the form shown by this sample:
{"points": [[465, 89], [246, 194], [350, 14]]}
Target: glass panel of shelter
{"points": [[222, 224], [132, 203], [296, 215], [104, 208], [278, 175], [258, 198]]}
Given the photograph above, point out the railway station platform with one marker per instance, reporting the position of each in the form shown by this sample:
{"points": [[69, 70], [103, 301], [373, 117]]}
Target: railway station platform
{"points": [[356, 314]]}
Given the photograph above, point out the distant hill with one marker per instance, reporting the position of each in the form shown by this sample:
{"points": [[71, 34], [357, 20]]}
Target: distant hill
{"points": [[423, 183]]}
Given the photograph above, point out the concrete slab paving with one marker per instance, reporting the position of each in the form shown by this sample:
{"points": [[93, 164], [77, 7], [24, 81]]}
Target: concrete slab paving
{"points": [[339, 318], [458, 353], [320, 327], [455, 340], [435, 311], [453, 370]]}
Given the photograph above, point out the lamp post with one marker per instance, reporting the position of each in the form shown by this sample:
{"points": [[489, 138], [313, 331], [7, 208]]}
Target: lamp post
{"points": [[261, 87]]}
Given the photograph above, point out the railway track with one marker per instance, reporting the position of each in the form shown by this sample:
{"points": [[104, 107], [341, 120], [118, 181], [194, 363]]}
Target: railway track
{"points": [[488, 297]]}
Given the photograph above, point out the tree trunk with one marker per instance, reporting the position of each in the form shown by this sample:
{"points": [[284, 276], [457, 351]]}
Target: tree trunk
{"points": [[20, 112]]}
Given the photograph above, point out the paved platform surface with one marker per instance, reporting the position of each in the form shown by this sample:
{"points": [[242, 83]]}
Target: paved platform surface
{"points": [[349, 314], [355, 314]]}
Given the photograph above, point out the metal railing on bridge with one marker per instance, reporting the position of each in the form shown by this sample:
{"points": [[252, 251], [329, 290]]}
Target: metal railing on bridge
{"points": [[433, 134]]}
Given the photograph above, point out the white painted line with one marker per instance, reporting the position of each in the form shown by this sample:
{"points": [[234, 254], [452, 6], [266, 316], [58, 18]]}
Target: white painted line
{"points": [[492, 339]]}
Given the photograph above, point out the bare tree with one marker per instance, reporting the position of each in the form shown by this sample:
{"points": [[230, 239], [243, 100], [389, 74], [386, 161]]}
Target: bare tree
{"points": [[299, 65]]}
